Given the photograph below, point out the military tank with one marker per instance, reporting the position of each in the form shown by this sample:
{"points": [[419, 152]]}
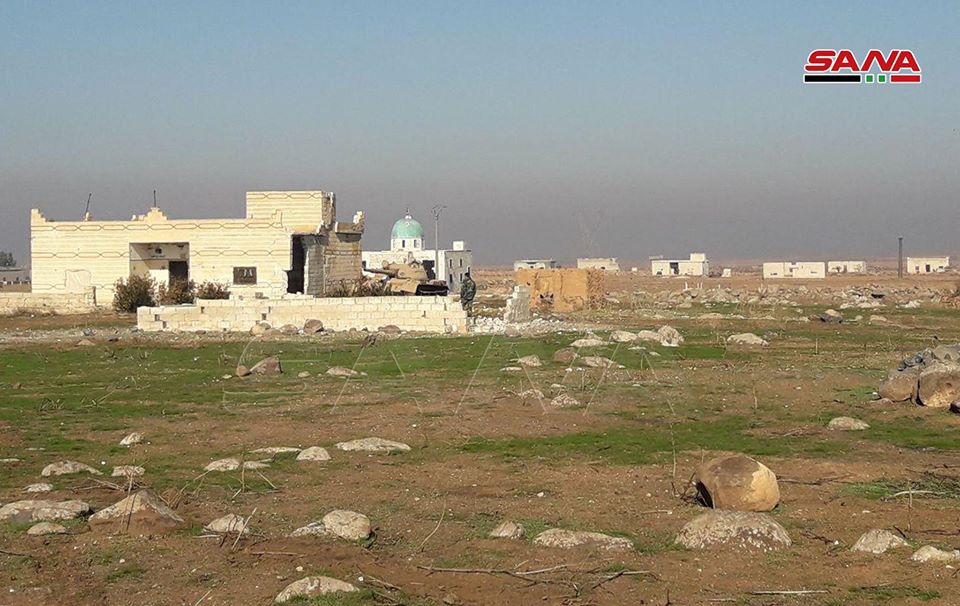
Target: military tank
{"points": [[410, 279]]}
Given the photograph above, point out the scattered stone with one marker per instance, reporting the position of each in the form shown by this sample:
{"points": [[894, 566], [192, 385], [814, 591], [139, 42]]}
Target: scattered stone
{"points": [[45, 528], [530, 361], [507, 530], [648, 335], [565, 401], [348, 525], [587, 342], [877, 319], [569, 539], [66, 468], [670, 336], [134, 438], [512, 369], [229, 464], [929, 553], [622, 336], [242, 371], [305, 374], [748, 339], [142, 513], [939, 384], [228, 524], [314, 453], [313, 586], [878, 541], [275, 450], [737, 529], [312, 327], [599, 362], [289, 330], [268, 367], [373, 445], [42, 511], [390, 329], [9, 460], [341, 371], [531, 393], [260, 329], [737, 482], [38, 488], [900, 386], [831, 316], [847, 424], [256, 464], [565, 356], [127, 471], [85, 343]]}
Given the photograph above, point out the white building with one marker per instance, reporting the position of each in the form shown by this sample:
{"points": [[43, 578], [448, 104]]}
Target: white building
{"points": [[406, 244], [602, 263], [696, 265], [927, 265], [794, 269], [846, 267], [534, 264]]}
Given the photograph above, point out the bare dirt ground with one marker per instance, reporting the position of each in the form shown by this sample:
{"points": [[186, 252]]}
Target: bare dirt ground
{"points": [[481, 453]]}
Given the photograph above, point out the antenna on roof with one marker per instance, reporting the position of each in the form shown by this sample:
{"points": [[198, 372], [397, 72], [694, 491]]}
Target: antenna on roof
{"points": [[86, 211], [155, 199]]}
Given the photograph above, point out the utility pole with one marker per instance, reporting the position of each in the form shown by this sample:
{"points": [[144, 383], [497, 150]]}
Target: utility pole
{"points": [[899, 256], [155, 199], [436, 210]]}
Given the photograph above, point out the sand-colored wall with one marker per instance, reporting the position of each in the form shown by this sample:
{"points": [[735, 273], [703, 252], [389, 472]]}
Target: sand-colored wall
{"points": [[56, 303], [562, 290]]}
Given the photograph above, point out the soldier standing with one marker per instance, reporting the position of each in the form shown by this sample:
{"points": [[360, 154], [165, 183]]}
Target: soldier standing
{"points": [[468, 291]]}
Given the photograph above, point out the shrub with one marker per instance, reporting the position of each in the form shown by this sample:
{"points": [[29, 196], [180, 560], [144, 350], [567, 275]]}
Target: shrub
{"points": [[212, 291], [180, 292], [134, 292]]}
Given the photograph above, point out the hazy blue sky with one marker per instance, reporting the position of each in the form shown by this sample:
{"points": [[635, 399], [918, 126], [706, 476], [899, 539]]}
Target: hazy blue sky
{"points": [[549, 128]]}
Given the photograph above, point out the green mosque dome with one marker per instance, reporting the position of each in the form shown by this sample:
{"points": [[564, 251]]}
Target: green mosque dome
{"points": [[408, 228]]}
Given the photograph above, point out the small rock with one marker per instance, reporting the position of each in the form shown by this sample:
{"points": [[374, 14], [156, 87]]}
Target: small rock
{"points": [[303, 374], [134, 438], [929, 553], [738, 529], [140, 513], [228, 524], [622, 336], [45, 528], [289, 330], [275, 450], [875, 319], [878, 541], [389, 329], [38, 488], [565, 356], [268, 367], [587, 342], [127, 471], [42, 511], [569, 539], [900, 386], [831, 316], [748, 339], [847, 424], [531, 393], [341, 371], [648, 335], [313, 586], [507, 530], [312, 327], [256, 464], [670, 336], [260, 328], [530, 361], [66, 468], [373, 445], [348, 525], [565, 401], [314, 453], [599, 362], [229, 464]]}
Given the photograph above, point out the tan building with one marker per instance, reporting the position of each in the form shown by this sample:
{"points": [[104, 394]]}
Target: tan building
{"points": [[696, 265], [927, 265], [601, 263], [288, 242], [794, 269], [846, 267]]}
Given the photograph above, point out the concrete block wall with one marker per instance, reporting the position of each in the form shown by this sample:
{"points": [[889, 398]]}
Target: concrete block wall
{"points": [[57, 303], [420, 314]]}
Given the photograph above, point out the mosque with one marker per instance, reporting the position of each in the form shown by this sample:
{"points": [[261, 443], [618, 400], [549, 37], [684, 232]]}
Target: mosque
{"points": [[406, 244]]}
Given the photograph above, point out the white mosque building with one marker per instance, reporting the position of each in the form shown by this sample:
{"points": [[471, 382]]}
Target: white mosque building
{"points": [[406, 244]]}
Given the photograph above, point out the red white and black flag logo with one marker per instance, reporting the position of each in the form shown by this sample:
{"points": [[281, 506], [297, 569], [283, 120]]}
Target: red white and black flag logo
{"points": [[841, 66]]}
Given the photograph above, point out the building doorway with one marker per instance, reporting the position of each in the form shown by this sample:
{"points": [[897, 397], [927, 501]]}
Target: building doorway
{"points": [[298, 265]]}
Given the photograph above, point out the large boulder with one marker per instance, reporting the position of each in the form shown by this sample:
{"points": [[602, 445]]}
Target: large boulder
{"points": [[900, 385], [737, 529], [42, 511], [737, 482], [348, 525], [142, 513], [939, 385], [878, 541], [313, 586], [569, 539]]}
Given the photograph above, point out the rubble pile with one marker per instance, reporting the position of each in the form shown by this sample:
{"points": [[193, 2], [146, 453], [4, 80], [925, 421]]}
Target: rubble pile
{"points": [[928, 378]]}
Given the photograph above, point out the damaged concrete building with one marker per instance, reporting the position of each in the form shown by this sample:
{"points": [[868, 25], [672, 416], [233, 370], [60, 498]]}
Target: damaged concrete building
{"points": [[562, 290], [601, 263], [696, 265], [846, 267], [288, 242], [534, 264], [927, 265]]}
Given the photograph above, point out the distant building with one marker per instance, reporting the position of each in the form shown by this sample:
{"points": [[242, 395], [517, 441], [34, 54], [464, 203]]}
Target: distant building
{"points": [[696, 265], [927, 265], [534, 264], [795, 269], [14, 275], [846, 267], [603, 263], [406, 244], [726, 273]]}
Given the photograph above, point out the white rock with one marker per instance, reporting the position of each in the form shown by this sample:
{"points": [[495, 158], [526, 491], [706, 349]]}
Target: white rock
{"points": [[530, 361], [341, 371], [507, 530], [313, 586], [878, 541], [127, 471], [314, 453], [670, 336], [747, 338], [38, 488], [565, 401], [929, 553], [42, 510], [847, 424], [142, 512], [229, 464], [648, 335], [569, 539], [66, 468], [275, 450], [737, 529], [348, 525], [134, 438], [373, 445], [598, 362], [45, 528], [622, 336], [587, 342], [228, 524]]}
